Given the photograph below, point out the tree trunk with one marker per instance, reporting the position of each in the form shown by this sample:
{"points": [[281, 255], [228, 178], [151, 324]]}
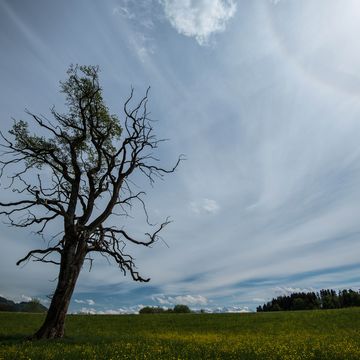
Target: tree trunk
{"points": [[53, 327]]}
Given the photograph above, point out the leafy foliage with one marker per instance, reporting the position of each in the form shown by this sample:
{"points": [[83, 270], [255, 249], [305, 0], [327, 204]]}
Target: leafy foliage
{"points": [[181, 309]]}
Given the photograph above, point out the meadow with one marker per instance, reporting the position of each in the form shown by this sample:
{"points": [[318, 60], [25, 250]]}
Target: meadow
{"points": [[320, 334]]}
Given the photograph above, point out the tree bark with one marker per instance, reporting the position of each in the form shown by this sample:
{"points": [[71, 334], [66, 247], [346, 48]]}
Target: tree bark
{"points": [[72, 260]]}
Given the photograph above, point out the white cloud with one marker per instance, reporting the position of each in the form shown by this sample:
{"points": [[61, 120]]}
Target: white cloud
{"points": [[199, 19], [228, 309], [205, 205], [236, 309], [44, 301], [181, 299], [87, 301], [210, 206], [120, 311], [25, 298], [279, 290], [90, 311], [79, 301]]}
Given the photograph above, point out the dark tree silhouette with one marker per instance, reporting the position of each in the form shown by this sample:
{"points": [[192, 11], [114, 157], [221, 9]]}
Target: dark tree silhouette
{"points": [[79, 172], [325, 299]]}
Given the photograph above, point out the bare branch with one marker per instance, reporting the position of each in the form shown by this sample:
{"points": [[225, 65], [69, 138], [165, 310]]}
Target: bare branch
{"points": [[80, 168], [34, 253]]}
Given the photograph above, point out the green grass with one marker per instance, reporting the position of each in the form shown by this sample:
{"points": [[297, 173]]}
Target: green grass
{"points": [[332, 334]]}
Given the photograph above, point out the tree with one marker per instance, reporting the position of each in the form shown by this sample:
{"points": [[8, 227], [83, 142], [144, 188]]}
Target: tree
{"points": [[181, 309], [178, 309], [329, 299], [80, 173], [151, 310]]}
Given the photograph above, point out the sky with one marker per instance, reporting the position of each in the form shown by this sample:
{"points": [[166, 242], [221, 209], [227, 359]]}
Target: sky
{"points": [[262, 96]]}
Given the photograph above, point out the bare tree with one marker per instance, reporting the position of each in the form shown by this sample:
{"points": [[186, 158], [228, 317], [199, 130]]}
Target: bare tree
{"points": [[83, 169]]}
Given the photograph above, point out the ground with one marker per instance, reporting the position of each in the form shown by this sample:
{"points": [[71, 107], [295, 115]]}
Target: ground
{"points": [[326, 334]]}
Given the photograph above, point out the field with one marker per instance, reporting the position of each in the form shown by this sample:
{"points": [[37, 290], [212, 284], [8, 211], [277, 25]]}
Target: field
{"points": [[327, 334]]}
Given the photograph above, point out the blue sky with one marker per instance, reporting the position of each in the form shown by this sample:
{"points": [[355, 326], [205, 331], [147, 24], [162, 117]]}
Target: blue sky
{"points": [[263, 98]]}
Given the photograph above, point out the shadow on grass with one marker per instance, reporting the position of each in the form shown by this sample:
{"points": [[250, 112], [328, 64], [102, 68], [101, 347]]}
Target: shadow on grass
{"points": [[17, 339], [12, 339]]}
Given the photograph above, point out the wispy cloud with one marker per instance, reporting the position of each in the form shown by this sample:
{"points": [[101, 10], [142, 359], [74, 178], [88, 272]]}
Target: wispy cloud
{"points": [[140, 16], [181, 299], [141, 12], [89, 302], [123, 11], [26, 298], [199, 19], [117, 311], [209, 206], [285, 290], [143, 45], [90, 311]]}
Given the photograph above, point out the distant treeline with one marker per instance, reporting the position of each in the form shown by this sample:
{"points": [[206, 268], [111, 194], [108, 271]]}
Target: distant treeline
{"points": [[32, 306], [178, 309], [325, 299]]}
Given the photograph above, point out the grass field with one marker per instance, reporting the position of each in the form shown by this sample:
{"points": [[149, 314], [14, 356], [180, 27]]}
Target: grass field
{"points": [[328, 334]]}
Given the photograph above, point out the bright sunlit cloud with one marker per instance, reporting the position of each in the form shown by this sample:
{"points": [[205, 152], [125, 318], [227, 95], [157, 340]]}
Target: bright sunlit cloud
{"points": [[199, 19]]}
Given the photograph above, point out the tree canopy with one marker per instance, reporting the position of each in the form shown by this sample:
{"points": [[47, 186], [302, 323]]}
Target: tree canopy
{"points": [[325, 299]]}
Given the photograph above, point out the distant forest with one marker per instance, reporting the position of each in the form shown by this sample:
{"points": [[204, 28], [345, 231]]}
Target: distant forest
{"points": [[32, 306], [178, 309], [325, 299]]}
